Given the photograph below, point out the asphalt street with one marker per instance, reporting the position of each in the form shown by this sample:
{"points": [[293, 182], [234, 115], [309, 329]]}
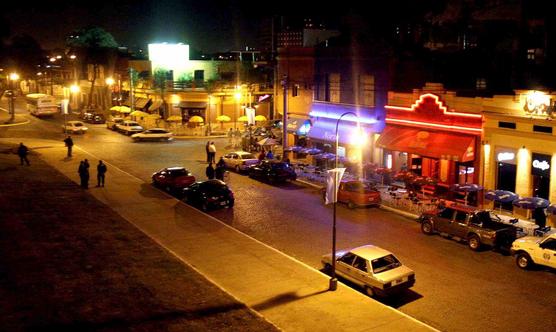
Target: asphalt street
{"points": [[456, 289]]}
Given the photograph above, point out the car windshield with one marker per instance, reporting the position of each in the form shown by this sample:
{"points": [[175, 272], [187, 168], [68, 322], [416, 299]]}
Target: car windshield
{"points": [[280, 166], [78, 124], [214, 188], [385, 263], [178, 172], [247, 156]]}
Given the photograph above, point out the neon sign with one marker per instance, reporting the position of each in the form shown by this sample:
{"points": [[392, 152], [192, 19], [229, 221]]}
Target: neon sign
{"points": [[506, 156], [440, 104], [542, 165], [537, 103]]}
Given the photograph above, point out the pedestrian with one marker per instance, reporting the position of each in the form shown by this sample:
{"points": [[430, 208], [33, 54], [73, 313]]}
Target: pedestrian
{"points": [[101, 171], [219, 172], [231, 137], [212, 152], [210, 171], [270, 155], [238, 137], [83, 171], [208, 151], [262, 155], [22, 151], [221, 162], [69, 144], [540, 217]]}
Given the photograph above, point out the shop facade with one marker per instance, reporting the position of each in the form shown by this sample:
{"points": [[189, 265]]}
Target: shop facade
{"points": [[431, 139]]}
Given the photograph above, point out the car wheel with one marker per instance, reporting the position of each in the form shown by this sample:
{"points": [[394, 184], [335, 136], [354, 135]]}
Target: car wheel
{"points": [[474, 242], [523, 261], [369, 291], [237, 169], [426, 228], [351, 205]]}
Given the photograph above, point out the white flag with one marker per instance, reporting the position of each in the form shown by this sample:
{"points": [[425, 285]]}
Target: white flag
{"points": [[331, 185]]}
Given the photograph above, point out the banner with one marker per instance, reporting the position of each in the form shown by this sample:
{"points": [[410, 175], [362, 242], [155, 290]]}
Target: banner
{"points": [[250, 113], [331, 185], [65, 103]]}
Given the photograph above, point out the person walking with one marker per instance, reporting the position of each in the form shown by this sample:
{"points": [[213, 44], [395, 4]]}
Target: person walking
{"points": [[83, 171], [231, 137], [219, 171], [212, 152], [69, 144], [237, 135], [270, 155], [210, 171], [208, 151], [262, 155], [221, 162], [101, 171], [22, 152]]}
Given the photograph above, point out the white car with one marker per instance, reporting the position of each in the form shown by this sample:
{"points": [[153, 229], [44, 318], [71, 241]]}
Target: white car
{"points": [[154, 134], [531, 250], [129, 127], [240, 160], [74, 127], [377, 270]]}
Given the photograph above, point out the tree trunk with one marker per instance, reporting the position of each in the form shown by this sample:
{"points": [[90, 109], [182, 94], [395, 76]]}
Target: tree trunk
{"points": [[92, 92]]}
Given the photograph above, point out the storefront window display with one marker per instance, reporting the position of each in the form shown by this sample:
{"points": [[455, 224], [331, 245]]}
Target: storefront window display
{"points": [[540, 170]]}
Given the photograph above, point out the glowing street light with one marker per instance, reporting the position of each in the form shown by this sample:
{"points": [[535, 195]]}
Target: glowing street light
{"points": [[110, 81], [359, 139]]}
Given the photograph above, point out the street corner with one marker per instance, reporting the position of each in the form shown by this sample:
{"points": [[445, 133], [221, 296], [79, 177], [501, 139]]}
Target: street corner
{"points": [[7, 121]]}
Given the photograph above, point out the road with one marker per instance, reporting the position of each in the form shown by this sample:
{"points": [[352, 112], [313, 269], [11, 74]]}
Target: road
{"points": [[456, 289]]}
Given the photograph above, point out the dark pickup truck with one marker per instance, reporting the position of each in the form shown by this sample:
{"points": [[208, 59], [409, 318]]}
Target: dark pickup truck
{"points": [[477, 227]]}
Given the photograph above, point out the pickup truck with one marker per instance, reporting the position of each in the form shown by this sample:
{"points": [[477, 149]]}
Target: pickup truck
{"points": [[467, 223], [531, 250]]}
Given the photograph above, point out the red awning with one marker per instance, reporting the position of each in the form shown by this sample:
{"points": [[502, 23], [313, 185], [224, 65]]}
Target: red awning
{"points": [[439, 145]]}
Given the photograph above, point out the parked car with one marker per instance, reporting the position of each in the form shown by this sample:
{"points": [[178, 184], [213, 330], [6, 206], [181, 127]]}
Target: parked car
{"points": [[240, 160], [129, 127], [113, 123], [154, 134], [208, 195], [272, 171], [357, 193], [374, 269], [92, 117], [462, 222], [531, 250], [74, 127], [173, 179]]}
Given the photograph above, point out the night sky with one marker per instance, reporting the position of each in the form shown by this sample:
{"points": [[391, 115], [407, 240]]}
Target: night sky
{"points": [[207, 25]]}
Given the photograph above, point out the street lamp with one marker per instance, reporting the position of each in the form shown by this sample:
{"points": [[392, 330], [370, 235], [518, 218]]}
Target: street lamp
{"points": [[237, 96], [12, 77], [359, 139]]}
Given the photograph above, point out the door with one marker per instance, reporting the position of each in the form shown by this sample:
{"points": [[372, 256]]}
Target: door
{"points": [[344, 266], [444, 219], [342, 194], [361, 271], [548, 253], [459, 225]]}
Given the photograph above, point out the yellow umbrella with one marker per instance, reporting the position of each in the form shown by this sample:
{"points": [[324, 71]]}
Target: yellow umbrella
{"points": [[223, 118], [139, 113], [153, 116], [174, 118], [124, 109], [243, 118], [115, 108], [196, 119], [260, 118]]}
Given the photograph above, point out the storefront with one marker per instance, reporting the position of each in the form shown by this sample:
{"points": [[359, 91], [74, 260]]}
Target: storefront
{"points": [[430, 139], [355, 133], [298, 127]]}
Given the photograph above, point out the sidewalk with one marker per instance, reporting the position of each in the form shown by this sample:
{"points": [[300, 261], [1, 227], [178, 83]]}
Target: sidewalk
{"points": [[288, 293]]}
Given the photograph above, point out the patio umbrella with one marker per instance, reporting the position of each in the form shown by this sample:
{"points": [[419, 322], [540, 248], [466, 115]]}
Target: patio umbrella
{"points": [[196, 119], [531, 203], [223, 118], [139, 113], [500, 196], [466, 188], [551, 209], [175, 118], [260, 118], [243, 118], [115, 108], [314, 151], [267, 141], [124, 109]]}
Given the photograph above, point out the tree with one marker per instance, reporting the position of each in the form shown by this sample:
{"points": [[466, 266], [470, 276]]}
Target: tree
{"points": [[97, 48], [160, 79]]}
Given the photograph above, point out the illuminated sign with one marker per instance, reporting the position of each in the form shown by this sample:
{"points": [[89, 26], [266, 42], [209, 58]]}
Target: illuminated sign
{"points": [[538, 103], [174, 57], [263, 97], [505, 156], [542, 165]]}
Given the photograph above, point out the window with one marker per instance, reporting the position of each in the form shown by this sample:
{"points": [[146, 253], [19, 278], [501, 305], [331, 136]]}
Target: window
{"points": [[347, 258], [367, 90], [461, 216], [531, 54], [385, 263], [446, 213], [360, 264], [508, 125], [542, 129], [481, 83], [334, 88], [549, 244], [199, 75]]}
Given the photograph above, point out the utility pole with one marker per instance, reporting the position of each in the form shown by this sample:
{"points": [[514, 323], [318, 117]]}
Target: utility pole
{"points": [[131, 94], [285, 117]]}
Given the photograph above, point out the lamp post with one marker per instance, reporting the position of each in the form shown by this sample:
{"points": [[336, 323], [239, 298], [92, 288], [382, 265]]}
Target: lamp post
{"points": [[237, 96], [208, 114], [333, 283], [12, 77]]}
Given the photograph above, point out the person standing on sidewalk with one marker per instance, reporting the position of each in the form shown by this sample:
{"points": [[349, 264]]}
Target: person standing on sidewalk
{"points": [[69, 144], [210, 171], [208, 151], [101, 171], [212, 153], [83, 174], [22, 151], [231, 137]]}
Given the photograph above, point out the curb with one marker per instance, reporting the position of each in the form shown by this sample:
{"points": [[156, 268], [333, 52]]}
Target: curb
{"points": [[400, 212], [198, 137], [307, 183]]}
